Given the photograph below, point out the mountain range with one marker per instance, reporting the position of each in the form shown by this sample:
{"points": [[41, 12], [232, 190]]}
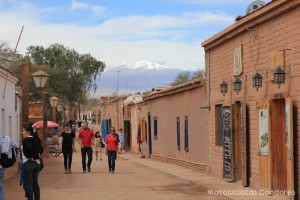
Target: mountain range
{"points": [[135, 77]]}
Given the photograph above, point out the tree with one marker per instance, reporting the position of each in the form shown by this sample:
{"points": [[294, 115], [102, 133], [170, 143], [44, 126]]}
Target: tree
{"points": [[198, 74], [72, 75], [185, 76], [181, 78], [7, 60]]}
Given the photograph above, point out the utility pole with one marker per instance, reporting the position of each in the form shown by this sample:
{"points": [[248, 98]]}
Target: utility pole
{"points": [[118, 83], [146, 78], [126, 87]]}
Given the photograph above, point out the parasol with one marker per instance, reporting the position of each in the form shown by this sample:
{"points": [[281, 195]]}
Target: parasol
{"points": [[39, 124]]}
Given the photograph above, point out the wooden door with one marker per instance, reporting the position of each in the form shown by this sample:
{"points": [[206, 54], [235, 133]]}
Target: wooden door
{"points": [[240, 142], [278, 146], [237, 141], [244, 143], [127, 131], [289, 146]]}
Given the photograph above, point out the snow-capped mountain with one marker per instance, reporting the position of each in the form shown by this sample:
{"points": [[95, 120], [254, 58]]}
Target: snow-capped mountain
{"points": [[135, 77], [143, 65]]}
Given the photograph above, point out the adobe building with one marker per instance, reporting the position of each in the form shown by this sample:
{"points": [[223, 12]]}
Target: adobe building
{"points": [[113, 115], [132, 110], [173, 124], [253, 72]]}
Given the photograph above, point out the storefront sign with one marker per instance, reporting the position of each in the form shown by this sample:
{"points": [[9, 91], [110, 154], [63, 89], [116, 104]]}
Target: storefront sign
{"points": [[278, 95], [228, 158]]}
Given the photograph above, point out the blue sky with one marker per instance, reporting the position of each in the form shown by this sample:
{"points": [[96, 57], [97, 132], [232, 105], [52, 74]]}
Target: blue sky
{"points": [[168, 32]]}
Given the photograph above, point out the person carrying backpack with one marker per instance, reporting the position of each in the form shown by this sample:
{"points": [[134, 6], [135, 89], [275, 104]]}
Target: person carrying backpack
{"points": [[31, 150], [7, 159]]}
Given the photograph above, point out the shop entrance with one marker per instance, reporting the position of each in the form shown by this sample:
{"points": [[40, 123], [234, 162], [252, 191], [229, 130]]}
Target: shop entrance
{"points": [[276, 156], [278, 145]]}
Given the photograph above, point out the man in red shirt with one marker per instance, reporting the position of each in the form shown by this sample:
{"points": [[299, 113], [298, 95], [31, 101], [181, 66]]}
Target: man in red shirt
{"points": [[86, 141], [111, 148]]}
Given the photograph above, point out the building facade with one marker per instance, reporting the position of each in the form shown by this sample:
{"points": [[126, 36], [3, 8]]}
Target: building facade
{"points": [[113, 115], [253, 72], [173, 124], [10, 106]]}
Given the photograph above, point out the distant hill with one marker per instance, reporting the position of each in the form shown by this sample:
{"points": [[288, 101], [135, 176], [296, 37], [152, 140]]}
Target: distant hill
{"points": [[135, 77]]}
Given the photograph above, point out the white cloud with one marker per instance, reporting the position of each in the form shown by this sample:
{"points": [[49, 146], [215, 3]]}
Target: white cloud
{"points": [[118, 40], [77, 5], [83, 6], [98, 9]]}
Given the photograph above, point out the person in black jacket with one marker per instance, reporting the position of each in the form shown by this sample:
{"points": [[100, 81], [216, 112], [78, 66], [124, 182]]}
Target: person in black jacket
{"points": [[31, 150], [68, 136]]}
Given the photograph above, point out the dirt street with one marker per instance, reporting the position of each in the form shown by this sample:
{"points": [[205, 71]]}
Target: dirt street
{"points": [[131, 181]]}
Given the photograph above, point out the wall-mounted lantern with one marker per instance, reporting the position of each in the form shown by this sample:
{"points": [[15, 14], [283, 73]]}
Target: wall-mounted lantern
{"points": [[223, 87], [237, 85], [257, 81], [279, 76]]}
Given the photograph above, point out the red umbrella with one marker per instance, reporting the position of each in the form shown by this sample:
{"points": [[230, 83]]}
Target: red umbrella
{"points": [[39, 124]]}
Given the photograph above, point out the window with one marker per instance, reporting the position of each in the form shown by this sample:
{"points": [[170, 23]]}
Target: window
{"points": [[178, 132], [16, 103], [219, 125], [186, 133], [155, 127]]}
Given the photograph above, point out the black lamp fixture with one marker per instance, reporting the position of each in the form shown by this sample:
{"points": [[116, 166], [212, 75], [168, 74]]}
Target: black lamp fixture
{"points": [[237, 85], [279, 76], [223, 87], [257, 81]]}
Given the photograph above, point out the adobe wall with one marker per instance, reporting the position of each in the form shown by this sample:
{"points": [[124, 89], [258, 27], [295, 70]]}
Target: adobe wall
{"points": [[280, 33], [167, 109]]}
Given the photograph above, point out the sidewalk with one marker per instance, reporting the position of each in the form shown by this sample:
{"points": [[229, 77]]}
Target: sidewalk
{"points": [[215, 185]]}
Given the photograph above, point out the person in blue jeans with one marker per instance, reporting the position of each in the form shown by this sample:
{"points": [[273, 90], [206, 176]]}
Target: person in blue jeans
{"points": [[1, 182], [86, 140], [31, 150]]}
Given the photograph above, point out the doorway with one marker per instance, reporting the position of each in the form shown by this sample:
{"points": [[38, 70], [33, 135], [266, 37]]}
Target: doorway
{"points": [[127, 130], [237, 141], [278, 145]]}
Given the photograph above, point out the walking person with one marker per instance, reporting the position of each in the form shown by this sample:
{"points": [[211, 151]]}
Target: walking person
{"points": [[111, 149], [97, 145], [31, 150], [121, 140], [86, 140], [68, 138]]}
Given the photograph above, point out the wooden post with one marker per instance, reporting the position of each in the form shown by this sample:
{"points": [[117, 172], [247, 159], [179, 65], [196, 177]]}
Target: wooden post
{"points": [[45, 98], [25, 69]]}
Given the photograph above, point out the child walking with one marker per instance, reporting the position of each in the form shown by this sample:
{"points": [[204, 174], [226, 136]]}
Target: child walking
{"points": [[97, 145]]}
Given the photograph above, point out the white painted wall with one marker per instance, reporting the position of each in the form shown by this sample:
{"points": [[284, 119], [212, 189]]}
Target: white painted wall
{"points": [[9, 106]]}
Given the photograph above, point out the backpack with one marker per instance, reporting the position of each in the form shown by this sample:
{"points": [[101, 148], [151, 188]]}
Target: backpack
{"points": [[38, 143], [8, 162]]}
